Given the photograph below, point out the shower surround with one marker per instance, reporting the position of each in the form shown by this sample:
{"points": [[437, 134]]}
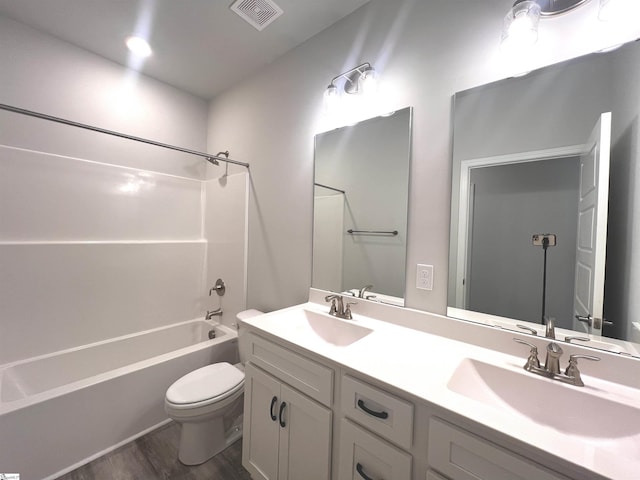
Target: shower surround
{"points": [[102, 237]]}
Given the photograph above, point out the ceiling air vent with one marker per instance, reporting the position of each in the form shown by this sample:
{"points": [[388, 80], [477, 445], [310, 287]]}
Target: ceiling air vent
{"points": [[258, 13]]}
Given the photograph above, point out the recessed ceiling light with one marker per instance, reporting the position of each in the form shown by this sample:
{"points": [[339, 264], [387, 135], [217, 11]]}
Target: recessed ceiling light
{"points": [[138, 46]]}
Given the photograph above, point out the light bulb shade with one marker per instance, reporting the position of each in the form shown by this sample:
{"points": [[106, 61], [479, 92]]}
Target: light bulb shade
{"points": [[369, 81], [138, 46], [330, 98], [520, 27]]}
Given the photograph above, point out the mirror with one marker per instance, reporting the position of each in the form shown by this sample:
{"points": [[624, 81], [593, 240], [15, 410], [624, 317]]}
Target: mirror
{"points": [[361, 188], [547, 115]]}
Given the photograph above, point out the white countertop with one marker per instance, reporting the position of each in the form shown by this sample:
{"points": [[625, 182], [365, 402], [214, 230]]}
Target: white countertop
{"points": [[422, 365]]}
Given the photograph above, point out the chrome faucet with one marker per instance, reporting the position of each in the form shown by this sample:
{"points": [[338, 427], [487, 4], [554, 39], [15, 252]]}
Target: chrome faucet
{"points": [[550, 331], [551, 368], [214, 313], [363, 290], [338, 308]]}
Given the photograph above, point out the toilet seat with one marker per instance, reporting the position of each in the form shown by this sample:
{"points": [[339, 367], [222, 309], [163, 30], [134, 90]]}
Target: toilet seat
{"points": [[205, 386]]}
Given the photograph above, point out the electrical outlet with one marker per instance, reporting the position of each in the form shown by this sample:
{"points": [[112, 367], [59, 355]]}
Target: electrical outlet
{"points": [[539, 238], [424, 277]]}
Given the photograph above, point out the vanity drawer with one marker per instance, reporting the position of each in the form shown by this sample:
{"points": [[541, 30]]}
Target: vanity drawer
{"points": [[363, 455], [307, 376], [379, 411], [460, 455]]}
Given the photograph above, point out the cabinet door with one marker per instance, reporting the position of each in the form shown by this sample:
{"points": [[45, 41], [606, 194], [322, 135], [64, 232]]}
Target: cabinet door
{"points": [[261, 426], [305, 439]]}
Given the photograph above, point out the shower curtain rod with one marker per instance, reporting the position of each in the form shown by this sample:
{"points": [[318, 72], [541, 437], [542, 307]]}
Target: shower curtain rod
{"points": [[207, 156]]}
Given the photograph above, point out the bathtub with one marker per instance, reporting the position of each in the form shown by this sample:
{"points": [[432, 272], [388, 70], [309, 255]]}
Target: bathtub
{"points": [[62, 410]]}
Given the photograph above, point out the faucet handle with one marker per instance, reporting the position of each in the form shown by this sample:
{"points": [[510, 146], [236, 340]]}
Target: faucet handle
{"points": [[347, 310], [332, 309], [568, 339], [532, 360], [572, 369], [532, 331]]}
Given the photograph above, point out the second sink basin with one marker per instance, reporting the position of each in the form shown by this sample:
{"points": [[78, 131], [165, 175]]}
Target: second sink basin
{"points": [[578, 411]]}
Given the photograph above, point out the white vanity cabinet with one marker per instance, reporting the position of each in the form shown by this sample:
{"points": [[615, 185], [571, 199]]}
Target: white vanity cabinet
{"points": [[328, 411], [374, 418], [461, 455], [287, 434]]}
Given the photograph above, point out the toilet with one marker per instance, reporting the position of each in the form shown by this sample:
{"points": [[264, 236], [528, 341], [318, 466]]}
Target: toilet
{"points": [[199, 401]]}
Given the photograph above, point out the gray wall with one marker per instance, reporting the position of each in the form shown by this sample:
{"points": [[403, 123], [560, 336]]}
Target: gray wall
{"points": [[513, 202], [47, 75], [425, 52]]}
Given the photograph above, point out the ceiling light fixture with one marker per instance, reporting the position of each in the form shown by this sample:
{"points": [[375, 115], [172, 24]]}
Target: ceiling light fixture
{"points": [[520, 27], [362, 79], [138, 46]]}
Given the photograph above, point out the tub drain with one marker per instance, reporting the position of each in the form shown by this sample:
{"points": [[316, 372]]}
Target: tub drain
{"points": [[212, 334]]}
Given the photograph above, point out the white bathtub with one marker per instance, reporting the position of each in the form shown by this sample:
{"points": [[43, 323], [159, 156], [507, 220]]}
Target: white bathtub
{"points": [[61, 410]]}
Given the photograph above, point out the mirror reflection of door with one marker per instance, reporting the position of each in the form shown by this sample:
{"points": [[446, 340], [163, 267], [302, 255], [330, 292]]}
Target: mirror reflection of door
{"points": [[592, 229], [510, 203], [507, 200]]}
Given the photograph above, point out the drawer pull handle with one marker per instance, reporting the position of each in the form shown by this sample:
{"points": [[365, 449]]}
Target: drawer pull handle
{"points": [[382, 415], [283, 405], [360, 470], [274, 400]]}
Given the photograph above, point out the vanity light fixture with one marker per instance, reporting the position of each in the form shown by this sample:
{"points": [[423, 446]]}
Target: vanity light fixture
{"points": [[362, 79], [520, 27]]}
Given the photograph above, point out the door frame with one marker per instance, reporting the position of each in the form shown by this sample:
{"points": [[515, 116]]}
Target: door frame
{"points": [[462, 251]]}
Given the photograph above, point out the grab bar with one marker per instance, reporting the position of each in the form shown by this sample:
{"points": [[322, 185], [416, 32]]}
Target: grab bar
{"points": [[371, 232]]}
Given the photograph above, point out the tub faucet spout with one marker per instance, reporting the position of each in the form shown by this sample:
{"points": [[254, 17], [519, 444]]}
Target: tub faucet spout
{"points": [[214, 313]]}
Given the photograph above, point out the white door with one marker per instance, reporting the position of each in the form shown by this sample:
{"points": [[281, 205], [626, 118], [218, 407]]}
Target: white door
{"points": [[305, 438], [261, 427], [592, 229]]}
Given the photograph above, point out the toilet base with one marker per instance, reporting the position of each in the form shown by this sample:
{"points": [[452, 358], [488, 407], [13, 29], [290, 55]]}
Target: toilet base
{"points": [[201, 441]]}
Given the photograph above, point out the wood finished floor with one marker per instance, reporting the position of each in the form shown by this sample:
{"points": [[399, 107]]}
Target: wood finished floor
{"points": [[155, 457]]}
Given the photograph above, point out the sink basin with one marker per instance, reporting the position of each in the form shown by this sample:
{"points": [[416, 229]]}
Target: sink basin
{"points": [[326, 328], [578, 411]]}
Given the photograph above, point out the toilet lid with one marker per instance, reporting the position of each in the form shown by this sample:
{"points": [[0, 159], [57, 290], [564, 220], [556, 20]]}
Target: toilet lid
{"points": [[205, 383]]}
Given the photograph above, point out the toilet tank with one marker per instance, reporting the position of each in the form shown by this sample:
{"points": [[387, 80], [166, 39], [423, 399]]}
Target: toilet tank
{"points": [[242, 346]]}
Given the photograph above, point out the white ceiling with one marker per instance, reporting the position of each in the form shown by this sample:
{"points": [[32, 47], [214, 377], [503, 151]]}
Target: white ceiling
{"points": [[199, 46]]}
